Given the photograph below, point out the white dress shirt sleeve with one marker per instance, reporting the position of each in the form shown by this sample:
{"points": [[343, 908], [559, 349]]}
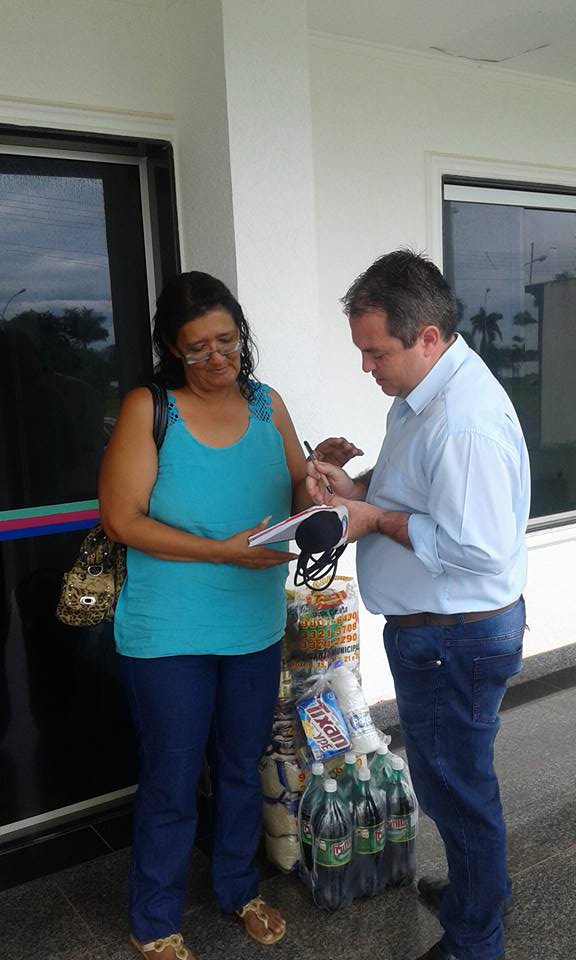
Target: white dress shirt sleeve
{"points": [[470, 527]]}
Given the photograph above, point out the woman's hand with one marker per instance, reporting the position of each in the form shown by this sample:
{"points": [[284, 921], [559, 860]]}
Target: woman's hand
{"points": [[237, 551], [337, 450]]}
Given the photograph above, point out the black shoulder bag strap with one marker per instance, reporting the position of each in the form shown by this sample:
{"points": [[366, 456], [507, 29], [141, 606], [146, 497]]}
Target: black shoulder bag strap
{"points": [[160, 421]]}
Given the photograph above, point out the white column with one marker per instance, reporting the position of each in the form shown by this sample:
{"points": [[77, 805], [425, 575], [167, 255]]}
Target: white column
{"points": [[270, 135], [244, 159], [202, 157]]}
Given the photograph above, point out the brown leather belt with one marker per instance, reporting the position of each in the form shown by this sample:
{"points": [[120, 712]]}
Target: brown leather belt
{"points": [[443, 619]]}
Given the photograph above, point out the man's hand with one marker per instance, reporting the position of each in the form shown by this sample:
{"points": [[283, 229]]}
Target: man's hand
{"points": [[337, 450], [342, 485], [365, 518], [319, 473], [362, 518]]}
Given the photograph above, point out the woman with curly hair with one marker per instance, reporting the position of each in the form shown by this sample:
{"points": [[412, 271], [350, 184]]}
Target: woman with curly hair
{"points": [[201, 614]]}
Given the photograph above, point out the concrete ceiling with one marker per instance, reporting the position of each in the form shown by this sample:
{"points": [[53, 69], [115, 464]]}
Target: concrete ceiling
{"points": [[529, 36]]}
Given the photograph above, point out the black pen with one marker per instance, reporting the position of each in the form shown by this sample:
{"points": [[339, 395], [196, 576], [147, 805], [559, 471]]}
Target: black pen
{"points": [[314, 459]]}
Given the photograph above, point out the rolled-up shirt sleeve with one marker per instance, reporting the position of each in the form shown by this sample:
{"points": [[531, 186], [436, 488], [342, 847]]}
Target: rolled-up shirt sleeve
{"points": [[470, 527]]}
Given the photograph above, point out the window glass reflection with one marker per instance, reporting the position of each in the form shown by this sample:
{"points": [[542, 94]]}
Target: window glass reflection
{"points": [[513, 269]]}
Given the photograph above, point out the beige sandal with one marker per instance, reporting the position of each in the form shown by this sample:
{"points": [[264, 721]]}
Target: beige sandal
{"points": [[256, 906], [155, 948]]}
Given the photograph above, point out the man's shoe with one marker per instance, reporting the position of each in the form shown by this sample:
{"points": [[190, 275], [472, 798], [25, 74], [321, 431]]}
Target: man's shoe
{"points": [[438, 953], [431, 892]]}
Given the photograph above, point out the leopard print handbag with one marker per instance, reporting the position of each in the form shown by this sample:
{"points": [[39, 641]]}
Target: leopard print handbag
{"points": [[90, 590]]}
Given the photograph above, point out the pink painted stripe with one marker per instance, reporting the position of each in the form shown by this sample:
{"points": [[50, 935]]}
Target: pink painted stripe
{"points": [[49, 519]]}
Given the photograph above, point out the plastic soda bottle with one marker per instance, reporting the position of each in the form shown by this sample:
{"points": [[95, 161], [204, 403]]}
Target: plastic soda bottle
{"points": [[381, 767], [347, 780], [401, 827], [312, 793], [369, 820], [332, 838]]}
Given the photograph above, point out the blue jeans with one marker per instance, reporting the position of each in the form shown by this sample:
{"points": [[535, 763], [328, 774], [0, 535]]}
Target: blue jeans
{"points": [[180, 707], [449, 683]]}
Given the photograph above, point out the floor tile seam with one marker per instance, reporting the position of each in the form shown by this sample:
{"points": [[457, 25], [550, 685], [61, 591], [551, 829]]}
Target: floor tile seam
{"points": [[557, 855], [103, 839], [51, 883], [93, 937]]}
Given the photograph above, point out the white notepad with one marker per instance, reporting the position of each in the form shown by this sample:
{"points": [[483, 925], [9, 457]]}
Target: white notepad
{"points": [[286, 529]]}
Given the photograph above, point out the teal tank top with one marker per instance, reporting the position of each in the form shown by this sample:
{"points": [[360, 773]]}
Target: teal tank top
{"points": [[170, 607]]}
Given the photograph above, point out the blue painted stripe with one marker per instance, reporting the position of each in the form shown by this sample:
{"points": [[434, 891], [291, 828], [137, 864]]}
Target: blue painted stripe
{"points": [[45, 531]]}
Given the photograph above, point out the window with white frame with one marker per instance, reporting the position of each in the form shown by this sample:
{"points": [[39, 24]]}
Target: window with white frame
{"points": [[510, 257]]}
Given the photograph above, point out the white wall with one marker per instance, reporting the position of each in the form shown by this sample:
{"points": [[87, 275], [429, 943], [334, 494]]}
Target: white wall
{"points": [[377, 119], [105, 55]]}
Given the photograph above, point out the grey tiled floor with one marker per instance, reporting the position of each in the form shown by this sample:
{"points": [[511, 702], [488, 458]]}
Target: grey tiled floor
{"points": [[79, 914]]}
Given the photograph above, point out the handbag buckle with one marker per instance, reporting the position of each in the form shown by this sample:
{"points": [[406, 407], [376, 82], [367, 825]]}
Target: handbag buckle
{"points": [[88, 601], [95, 569]]}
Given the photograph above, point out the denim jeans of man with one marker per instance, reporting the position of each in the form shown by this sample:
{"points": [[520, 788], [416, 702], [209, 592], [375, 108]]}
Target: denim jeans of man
{"points": [[182, 706], [449, 683]]}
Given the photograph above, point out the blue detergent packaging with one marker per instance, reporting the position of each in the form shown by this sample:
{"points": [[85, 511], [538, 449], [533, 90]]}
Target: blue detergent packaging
{"points": [[324, 725]]}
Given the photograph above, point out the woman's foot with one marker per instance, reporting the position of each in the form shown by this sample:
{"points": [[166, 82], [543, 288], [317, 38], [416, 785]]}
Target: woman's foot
{"points": [[263, 923], [165, 948]]}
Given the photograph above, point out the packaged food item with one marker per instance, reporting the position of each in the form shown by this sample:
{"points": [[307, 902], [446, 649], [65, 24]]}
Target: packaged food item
{"points": [[283, 852], [322, 626], [281, 816], [328, 623], [280, 775]]}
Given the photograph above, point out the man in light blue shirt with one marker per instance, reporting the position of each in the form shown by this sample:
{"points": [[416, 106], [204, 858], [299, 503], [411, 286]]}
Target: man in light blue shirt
{"points": [[441, 522]]}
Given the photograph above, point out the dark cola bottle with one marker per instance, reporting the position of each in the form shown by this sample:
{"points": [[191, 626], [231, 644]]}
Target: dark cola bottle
{"points": [[381, 767], [401, 828], [332, 838], [369, 821], [347, 780], [312, 794]]}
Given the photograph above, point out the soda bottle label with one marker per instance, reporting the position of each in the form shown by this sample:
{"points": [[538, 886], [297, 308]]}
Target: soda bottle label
{"points": [[400, 829], [333, 853], [370, 839], [305, 829]]}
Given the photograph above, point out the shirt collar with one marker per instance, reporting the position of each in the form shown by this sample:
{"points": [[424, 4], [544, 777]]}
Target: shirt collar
{"points": [[437, 378]]}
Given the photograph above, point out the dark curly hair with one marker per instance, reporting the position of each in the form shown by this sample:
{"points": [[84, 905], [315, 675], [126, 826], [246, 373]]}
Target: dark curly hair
{"points": [[185, 297]]}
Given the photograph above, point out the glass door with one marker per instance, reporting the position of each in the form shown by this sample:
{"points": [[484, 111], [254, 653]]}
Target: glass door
{"points": [[75, 295]]}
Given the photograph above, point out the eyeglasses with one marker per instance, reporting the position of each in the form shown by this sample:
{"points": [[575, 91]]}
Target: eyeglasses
{"points": [[224, 350]]}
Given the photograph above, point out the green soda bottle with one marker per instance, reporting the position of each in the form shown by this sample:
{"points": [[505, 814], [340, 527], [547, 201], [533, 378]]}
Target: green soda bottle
{"points": [[347, 780], [369, 821], [312, 793], [332, 837], [401, 827], [381, 767]]}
